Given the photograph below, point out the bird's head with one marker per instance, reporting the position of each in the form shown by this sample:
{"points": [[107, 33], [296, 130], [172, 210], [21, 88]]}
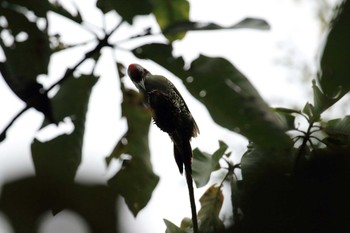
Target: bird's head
{"points": [[137, 75]]}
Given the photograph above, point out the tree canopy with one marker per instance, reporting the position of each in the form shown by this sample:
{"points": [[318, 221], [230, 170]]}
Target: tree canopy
{"points": [[293, 180]]}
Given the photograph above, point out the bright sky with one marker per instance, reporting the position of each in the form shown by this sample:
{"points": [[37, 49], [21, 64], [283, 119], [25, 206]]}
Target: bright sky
{"points": [[277, 62]]}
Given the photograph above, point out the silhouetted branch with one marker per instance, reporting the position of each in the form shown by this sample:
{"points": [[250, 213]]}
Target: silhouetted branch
{"points": [[102, 43]]}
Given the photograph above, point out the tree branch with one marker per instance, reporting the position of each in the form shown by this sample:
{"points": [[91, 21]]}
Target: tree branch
{"points": [[102, 43]]}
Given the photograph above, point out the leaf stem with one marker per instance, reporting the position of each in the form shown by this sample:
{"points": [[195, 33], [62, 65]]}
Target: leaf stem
{"points": [[306, 139], [3, 134]]}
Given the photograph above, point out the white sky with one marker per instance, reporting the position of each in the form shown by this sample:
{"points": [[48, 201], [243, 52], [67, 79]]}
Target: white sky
{"points": [[274, 61]]}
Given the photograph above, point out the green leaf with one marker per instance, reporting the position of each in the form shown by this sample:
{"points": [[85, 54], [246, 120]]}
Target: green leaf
{"points": [[28, 58], [338, 131], [170, 12], [25, 58], [59, 9], [287, 117], [234, 103], [172, 228], [310, 111], [121, 70], [252, 164], [162, 55], [126, 9], [286, 110], [59, 158], [335, 63], [204, 164], [136, 180], [25, 201], [185, 26], [135, 141], [263, 192], [321, 101], [37, 6], [40, 8], [208, 216]]}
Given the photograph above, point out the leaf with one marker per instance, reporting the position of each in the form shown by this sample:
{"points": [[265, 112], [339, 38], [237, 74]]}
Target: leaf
{"points": [[29, 58], [234, 103], [126, 9], [59, 158], [170, 12], [287, 117], [172, 228], [185, 26], [25, 59], [25, 201], [208, 216], [263, 192], [37, 6], [252, 164], [321, 101], [334, 69], [338, 131], [40, 8], [136, 180], [121, 70], [59, 9], [162, 55], [309, 110], [135, 141], [204, 164]]}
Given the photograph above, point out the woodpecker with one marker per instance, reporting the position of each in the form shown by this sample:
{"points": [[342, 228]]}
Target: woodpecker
{"points": [[171, 114], [169, 110]]}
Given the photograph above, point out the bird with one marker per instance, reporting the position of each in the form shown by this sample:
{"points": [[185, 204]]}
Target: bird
{"points": [[171, 114]]}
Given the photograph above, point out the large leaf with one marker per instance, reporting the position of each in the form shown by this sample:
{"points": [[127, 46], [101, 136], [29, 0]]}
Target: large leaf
{"points": [[162, 55], [25, 201], [59, 158], [234, 103], [287, 117], [204, 164], [208, 215], [170, 12], [126, 9], [40, 8], [253, 165], [247, 23], [26, 58], [338, 132], [334, 74], [321, 101], [59, 9], [37, 6], [136, 180]]}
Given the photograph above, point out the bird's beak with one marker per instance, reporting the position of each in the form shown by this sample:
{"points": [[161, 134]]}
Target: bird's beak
{"points": [[142, 85]]}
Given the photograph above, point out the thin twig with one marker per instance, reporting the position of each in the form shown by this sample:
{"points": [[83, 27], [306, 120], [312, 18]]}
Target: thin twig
{"points": [[3, 134]]}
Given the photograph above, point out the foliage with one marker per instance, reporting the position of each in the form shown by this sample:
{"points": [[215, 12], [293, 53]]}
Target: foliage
{"points": [[293, 180]]}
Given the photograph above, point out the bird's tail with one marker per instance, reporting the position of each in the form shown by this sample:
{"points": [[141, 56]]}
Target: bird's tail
{"points": [[183, 157]]}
